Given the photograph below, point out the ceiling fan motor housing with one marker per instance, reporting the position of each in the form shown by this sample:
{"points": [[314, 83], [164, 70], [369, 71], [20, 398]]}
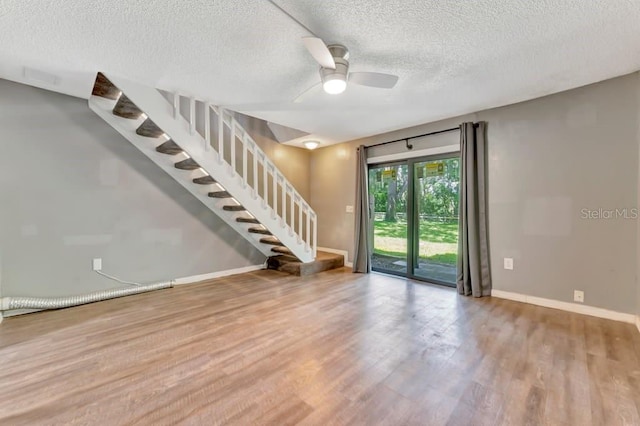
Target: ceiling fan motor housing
{"points": [[340, 56], [341, 71], [338, 51]]}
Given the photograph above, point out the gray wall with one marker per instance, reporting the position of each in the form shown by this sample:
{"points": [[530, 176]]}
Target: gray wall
{"points": [[548, 159], [71, 189]]}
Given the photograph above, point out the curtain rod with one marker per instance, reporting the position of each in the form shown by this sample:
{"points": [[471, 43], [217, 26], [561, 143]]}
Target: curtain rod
{"points": [[409, 146]]}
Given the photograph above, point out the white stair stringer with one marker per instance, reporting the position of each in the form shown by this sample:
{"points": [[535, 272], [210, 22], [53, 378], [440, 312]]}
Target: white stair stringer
{"points": [[155, 107]]}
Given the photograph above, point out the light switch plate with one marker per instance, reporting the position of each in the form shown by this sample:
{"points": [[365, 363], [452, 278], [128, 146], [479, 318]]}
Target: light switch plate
{"points": [[349, 209]]}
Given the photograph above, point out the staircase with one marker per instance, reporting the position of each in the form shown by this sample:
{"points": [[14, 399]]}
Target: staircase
{"points": [[215, 159]]}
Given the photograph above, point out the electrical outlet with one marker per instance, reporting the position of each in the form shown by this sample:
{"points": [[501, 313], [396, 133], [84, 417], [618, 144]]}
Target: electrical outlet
{"points": [[578, 296], [349, 209], [97, 264], [508, 263]]}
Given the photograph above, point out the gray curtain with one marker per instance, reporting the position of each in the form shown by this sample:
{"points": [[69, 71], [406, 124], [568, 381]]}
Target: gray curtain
{"points": [[361, 257], [474, 276]]}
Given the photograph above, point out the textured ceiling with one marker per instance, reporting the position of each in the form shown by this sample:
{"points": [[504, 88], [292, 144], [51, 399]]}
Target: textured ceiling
{"points": [[452, 56]]}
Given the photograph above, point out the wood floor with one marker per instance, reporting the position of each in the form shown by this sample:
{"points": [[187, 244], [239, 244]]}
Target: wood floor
{"points": [[267, 348]]}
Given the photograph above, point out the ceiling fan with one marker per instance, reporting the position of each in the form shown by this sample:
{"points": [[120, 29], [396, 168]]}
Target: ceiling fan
{"points": [[334, 69]]}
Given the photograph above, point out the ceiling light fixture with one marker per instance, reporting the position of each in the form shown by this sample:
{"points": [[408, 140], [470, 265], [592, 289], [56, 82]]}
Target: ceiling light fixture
{"points": [[334, 80], [311, 144], [336, 85]]}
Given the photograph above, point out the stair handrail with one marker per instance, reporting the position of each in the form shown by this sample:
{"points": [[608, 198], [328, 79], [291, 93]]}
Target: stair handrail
{"points": [[249, 145]]}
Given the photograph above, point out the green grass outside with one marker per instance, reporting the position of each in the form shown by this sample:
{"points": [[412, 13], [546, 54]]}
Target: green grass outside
{"points": [[437, 232], [438, 239]]}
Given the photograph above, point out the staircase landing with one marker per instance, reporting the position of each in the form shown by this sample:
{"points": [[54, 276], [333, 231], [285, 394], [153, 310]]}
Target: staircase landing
{"points": [[324, 261]]}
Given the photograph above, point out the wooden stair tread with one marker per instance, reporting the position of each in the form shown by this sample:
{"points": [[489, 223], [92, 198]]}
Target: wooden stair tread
{"points": [[271, 241], [169, 148], [105, 88], [204, 180], [188, 164], [281, 250], [126, 109], [260, 231], [220, 194], [233, 208], [247, 220], [149, 129]]}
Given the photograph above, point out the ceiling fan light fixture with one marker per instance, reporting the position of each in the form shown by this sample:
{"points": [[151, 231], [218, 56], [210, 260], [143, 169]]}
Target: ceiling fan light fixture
{"points": [[311, 145], [334, 81], [335, 84]]}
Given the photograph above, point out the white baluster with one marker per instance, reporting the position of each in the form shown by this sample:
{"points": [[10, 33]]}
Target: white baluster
{"points": [[293, 213], [275, 193], [232, 170], [192, 115], [255, 172], [308, 241], [265, 195], [220, 135], [244, 160], [299, 219], [176, 105], [283, 222], [207, 126]]}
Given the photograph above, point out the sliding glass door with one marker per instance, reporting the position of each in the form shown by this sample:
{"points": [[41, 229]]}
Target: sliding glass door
{"points": [[436, 197], [388, 188], [415, 220]]}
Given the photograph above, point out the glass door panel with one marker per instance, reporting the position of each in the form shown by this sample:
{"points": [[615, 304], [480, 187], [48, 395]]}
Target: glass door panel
{"points": [[436, 199], [388, 188]]}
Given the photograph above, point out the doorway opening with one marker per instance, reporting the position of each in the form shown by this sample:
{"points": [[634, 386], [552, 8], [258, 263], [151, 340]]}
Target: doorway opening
{"points": [[415, 205]]}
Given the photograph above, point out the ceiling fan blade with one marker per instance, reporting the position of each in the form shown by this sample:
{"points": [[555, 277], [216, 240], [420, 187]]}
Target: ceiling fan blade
{"points": [[319, 51], [373, 79], [310, 92]]}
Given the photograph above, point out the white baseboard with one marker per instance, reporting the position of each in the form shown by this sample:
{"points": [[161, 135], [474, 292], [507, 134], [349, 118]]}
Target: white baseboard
{"points": [[219, 274], [638, 323], [567, 306], [336, 251]]}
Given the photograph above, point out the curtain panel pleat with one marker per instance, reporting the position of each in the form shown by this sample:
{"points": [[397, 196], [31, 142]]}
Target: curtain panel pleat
{"points": [[474, 275], [362, 255]]}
